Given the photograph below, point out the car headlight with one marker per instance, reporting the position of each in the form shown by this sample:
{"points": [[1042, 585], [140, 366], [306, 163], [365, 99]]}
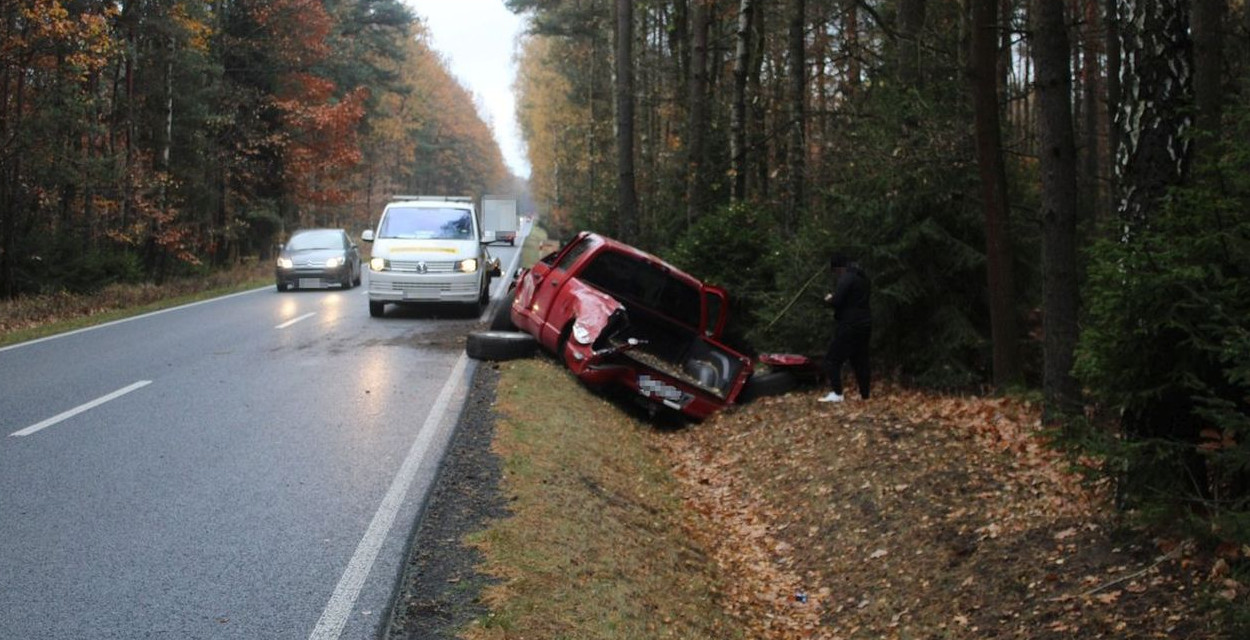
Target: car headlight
{"points": [[467, 266], [581, 334], [285, 263], [336, 261], [379, 264]]}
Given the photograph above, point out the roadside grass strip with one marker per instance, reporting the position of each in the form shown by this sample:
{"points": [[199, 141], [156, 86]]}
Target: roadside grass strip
{"points": [[594, 547]]}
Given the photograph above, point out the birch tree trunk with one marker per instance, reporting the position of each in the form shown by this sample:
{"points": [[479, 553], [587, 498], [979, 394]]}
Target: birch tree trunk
{"points": [[1154, 115]]}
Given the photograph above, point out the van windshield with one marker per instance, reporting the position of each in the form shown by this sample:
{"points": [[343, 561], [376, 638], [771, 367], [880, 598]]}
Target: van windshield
{"points": [[426, 223]]}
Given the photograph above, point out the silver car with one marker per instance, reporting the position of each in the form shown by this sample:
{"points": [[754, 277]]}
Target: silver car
{"points": [[317, 258]]}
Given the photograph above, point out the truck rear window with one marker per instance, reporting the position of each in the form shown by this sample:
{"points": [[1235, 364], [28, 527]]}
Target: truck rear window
{"points": [[644, 283]]}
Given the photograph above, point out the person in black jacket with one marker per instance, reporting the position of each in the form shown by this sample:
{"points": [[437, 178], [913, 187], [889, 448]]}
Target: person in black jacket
{"points": [[853, 332]]}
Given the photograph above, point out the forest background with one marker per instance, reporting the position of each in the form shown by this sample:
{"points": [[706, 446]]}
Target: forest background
{"points": [[1048, 195]]}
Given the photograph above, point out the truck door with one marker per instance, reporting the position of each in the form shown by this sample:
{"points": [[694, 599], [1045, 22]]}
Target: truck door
{"points": [[546, 285]]}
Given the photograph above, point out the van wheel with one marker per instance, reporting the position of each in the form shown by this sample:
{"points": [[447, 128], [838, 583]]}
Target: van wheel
{"points": [[376, 308], [773, 383], [498, 346]]}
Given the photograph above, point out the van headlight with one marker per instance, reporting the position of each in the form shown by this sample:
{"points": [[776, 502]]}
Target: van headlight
{"points": [[379, 264], [467, 266]]}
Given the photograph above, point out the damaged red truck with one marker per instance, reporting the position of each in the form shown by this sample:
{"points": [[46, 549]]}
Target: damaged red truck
{"points": [[616, 315]]}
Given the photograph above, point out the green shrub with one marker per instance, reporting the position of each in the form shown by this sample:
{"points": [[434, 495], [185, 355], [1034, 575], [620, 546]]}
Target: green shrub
{"points": [[1166, 346]]}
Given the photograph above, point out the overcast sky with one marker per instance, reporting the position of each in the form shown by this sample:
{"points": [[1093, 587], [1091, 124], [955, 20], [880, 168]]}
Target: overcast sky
{"points": [[478, 38]]}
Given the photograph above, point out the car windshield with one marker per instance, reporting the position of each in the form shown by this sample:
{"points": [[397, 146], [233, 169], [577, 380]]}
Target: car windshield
{"points": [[310, 240], [446, 223]]}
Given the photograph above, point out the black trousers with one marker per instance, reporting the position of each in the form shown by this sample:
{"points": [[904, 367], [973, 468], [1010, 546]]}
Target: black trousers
{"points": [[850, 343]]}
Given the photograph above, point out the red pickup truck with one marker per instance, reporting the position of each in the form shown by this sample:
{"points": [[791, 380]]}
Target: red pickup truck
{"points": [[616, 315]]}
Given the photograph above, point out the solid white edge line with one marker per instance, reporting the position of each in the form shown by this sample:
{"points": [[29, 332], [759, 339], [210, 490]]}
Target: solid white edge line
{"points": [[123, 320], [294, 320], [338, 609], [79, 409]]}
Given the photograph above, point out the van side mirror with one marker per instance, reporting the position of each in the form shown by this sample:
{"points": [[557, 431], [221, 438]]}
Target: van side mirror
{"points": [[367, 236]]}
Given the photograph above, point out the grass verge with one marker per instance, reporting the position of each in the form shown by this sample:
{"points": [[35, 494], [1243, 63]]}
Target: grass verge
{"points": [[595, 547], [33, 317]]}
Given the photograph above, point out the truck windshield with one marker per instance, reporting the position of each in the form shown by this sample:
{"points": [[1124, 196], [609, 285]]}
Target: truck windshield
{"points": [[645, 283], [427, 223]]}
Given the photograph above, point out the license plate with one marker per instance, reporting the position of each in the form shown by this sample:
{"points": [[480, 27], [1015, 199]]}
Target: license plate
{"points": [[654, 388], [310, 283], [417, 295]]}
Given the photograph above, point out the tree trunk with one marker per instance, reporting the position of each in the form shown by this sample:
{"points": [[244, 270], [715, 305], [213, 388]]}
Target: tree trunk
{"points": [[1154, 115], [983, 69], [1154, 156], [1112, 24], [1208, 28], [911, 16], [738, 115], [1051, 51], [1092, 182], [759, 135], [797, 150], [696, 125], [627, 197], [854, 55]]}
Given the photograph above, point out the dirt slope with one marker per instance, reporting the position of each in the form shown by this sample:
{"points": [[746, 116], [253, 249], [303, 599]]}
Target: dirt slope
{"points": [[917, 516]]}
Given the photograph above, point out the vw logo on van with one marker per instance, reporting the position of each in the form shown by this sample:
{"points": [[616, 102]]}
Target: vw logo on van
{"points": [[421, 268]]}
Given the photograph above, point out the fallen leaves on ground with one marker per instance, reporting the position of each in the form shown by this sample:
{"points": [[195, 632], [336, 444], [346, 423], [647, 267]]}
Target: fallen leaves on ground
{"points": [[917, 515]]}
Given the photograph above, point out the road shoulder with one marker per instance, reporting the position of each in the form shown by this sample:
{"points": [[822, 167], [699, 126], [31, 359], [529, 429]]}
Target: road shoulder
{"points": [[440, 589]]}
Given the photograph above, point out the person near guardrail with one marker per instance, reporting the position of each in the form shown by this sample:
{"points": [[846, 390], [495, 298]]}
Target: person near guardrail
{"points": [[853, 328]]}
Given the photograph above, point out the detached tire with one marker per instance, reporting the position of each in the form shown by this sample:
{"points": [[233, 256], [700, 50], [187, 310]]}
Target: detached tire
{"points": [[498, 346], [773, 383]]}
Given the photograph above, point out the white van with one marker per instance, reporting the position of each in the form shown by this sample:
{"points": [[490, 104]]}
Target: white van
{"points": [[429, 249]]}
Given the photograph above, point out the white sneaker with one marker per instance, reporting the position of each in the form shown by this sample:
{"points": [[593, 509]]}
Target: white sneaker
{"points": [[832, 396]]}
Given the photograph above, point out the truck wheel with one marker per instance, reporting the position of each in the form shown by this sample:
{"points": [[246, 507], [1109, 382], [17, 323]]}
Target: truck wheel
{"points": [[376, 308], [773, 383], [498, 346], [502, 318]]}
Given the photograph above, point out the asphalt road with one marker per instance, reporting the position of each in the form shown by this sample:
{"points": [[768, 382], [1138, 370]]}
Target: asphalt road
{"points": [[247, 467]]}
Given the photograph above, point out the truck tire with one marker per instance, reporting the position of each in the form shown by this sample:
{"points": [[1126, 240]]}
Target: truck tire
{"points": [[497, 346], [501, 320], [773, 383]]}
